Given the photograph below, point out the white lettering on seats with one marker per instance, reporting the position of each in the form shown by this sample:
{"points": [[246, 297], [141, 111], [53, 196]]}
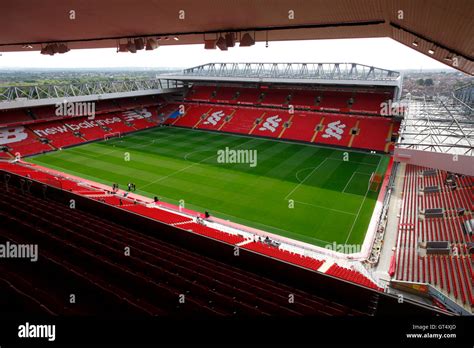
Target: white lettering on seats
{"points": [[215, 117], [271, 123], [12, 135], [136, 114], [334, 129]]}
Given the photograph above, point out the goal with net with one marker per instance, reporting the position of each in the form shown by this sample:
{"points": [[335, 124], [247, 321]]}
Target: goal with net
{"points": [[112, 135], [375, 182]]}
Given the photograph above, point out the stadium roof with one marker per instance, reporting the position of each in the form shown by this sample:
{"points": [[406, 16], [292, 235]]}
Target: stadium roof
{"points": [[439, 132], [300, 73], [37, 95], [440, 125], [438, 28]]}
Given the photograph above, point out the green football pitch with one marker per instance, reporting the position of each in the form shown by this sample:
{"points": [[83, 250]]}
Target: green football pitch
{"points": [[309, 193]]}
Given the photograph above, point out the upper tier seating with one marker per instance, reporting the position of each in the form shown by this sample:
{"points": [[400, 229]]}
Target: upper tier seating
{"points": [[14, 116], [203, 93], [367, 102], [303, 99], [278, 97], [335, 101], [370, 102], [225, 94], [248, 96]]}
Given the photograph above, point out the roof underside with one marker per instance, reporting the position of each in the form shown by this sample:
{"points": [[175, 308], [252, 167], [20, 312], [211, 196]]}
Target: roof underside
{"points": [[445, 26], [444, 125]]}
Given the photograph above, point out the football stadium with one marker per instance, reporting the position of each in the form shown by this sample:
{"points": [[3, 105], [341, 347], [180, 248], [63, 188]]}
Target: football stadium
{"points": [[238, 189]]}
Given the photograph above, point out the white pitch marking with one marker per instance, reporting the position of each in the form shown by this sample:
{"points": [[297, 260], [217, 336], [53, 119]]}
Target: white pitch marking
{"points": [[362, 204], [351, 179], [297, 186]]}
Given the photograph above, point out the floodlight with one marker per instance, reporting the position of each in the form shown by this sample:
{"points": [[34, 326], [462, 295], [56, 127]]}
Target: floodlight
{"points": [[221, 43], [123, 47], [246, 41], [131, 47], [230, 39], [62, 48], [139, 43], [151, 44], [210, 44]]}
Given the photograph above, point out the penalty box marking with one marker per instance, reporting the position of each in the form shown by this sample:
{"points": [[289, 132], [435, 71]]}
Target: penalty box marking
{"points": [[345, 187], [317, 167], [362, 204], [326, 208]]}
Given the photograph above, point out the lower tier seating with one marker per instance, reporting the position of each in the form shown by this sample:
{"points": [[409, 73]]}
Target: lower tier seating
{"points": [[362, 132], [84, 254], [51, 135]]}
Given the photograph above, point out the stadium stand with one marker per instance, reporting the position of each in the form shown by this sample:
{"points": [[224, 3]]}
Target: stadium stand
{"points": [[342, 130], [226, 94], [303, 99], [46, 133], [248, 96], [201, 93], [275, 97], [359, 102], [8, 117], [83, 247], [334, 101], [307, 262], [130, 204], [242, 121], [351, 275], [451, 271], [302, 126]]}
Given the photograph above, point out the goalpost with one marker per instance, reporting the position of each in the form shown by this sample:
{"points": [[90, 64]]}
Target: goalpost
{"points": [[375, 182], [112, 135]]}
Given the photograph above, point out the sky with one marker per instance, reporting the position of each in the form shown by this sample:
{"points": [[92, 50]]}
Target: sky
{"points": [[379, 52]]}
